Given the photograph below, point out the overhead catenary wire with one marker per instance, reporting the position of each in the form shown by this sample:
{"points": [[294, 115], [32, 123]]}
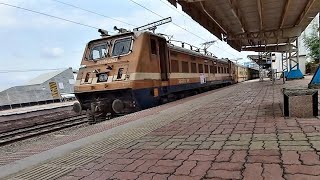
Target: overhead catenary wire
{"points": [[28, 70], [189, 18], [163, 2], [164, 17], [93, 12], [49, 15], [93, 27], [144, 7]]}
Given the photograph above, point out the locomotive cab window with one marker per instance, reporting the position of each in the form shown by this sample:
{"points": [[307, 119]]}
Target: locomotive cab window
{"points": [[99, 52], [153, 44], [122, 46]]}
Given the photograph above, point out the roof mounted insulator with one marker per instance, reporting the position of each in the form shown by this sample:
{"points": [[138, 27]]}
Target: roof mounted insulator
{"points": [[103, 32], [120, 30]]}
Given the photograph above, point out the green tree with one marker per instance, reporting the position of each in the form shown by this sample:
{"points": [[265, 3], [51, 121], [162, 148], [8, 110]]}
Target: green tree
{"points": [[312, 43]]}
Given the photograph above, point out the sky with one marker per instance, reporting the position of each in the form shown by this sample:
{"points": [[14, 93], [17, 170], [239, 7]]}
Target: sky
{"points": [[39, 43]]}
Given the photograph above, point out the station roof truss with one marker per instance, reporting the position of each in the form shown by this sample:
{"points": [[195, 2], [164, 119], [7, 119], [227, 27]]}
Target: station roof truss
{"points": [[250, 24]]}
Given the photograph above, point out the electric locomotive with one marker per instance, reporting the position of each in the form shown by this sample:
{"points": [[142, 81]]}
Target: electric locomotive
{"points": [[130, 71]]}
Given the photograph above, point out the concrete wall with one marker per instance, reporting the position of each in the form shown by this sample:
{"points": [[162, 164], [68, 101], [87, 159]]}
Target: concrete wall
{"points": [[37, 92], [278, 63]]}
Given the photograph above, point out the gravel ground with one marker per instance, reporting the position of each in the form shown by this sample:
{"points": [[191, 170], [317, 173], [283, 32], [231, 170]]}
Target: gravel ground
{"points": [[17, 146]]}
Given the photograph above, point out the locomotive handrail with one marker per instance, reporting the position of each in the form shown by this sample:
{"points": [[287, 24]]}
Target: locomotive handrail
{"points": [[192, 48]]}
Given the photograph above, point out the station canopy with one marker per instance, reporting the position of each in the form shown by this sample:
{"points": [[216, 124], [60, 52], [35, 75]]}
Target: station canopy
{"points": [[253, 25]]}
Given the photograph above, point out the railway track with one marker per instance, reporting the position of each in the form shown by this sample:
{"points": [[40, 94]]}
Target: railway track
{"points": [[28, 132]]}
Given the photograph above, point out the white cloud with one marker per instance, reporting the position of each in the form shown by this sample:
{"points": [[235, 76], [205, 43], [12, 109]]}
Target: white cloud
{"points": [[54, 52]]}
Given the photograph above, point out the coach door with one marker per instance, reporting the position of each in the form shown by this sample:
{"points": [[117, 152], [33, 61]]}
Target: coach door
{"points": [[163, 52]]}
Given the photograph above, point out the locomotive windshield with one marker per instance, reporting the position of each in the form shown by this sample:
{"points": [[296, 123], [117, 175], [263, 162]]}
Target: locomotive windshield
{"points": [[99, 52], [121, 46]]}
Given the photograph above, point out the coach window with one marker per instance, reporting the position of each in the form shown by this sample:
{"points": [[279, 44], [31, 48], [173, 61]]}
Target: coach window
{"points": [[228, 70], [206, 68], [153, 45], [174, 66], [200, 67], [185, 67], [211, 69], [193, 68]]}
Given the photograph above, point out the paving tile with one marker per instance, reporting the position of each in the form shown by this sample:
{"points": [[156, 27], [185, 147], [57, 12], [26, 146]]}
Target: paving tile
{"points": [[200, 169], [231, 166], [224, 155], [184, 155], [134, 165], [145, 176], [175, 177], [162, 169], [295, 148], [309, 158], [126, 175], [224, 174], [302, 169], [145, 166], [290, 157], [253, 171], [239, 156], [256, 145], [272, 171], [172, 154], [186, 168], [301, 177], [217, 145], [160, 177], [174, 163]]}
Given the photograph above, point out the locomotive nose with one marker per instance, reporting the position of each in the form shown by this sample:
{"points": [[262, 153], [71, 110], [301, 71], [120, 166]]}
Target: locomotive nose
{"points": [[117, 106]]}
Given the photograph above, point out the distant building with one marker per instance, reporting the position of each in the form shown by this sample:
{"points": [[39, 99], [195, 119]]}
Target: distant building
{"points": [[43, 89]]}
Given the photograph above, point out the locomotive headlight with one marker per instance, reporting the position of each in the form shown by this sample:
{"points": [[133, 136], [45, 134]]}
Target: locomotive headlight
{"points": [[103, 77]]}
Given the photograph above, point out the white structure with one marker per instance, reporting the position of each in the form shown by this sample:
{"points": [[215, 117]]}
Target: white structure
{"points": [[43, 89], [303, 52]]}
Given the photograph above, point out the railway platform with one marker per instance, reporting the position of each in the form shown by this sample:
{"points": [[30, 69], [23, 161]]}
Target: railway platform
{"points": [[29, 109], [236, 132]]}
